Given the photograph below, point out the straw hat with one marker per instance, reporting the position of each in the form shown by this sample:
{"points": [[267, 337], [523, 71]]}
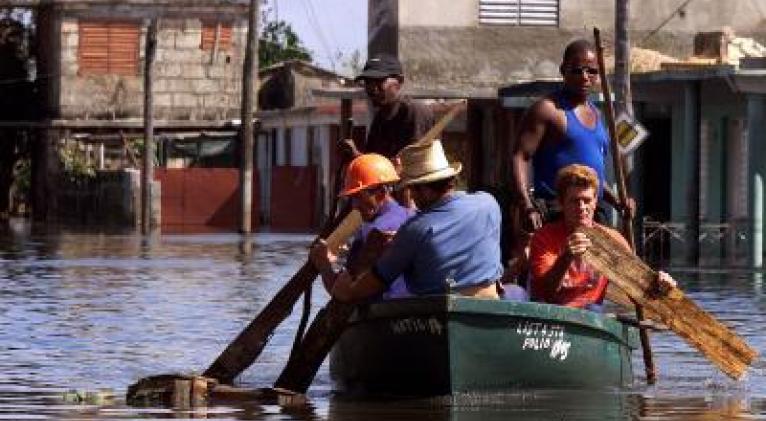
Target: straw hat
{"points": [[426, 163]]}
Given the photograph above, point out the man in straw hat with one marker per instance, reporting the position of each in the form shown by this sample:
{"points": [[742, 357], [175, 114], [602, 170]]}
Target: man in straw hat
{"points": [[368, 183], [451, 245]]}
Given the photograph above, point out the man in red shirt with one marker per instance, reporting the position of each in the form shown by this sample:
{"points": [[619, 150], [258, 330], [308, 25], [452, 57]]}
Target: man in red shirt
{"points": [[559, 273]]}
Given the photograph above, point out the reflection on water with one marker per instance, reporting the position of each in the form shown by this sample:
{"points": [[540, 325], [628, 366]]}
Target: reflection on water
{"points": [[95, 311]]}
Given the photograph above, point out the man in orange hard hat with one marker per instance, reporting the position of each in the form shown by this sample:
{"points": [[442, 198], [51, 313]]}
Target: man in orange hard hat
{"points": [[368, 183]]}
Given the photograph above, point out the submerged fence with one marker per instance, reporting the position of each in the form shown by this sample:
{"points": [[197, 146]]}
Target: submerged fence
{"points": [[720, 244]]}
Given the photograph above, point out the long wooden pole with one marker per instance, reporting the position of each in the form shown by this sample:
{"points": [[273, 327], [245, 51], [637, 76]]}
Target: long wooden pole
{"points": [[147, 173], [249, 344], [627, 219], [249, 102]]}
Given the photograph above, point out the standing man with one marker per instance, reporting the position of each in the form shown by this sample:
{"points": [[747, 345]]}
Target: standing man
{"points": [[561, 129], [398, 120], [559, 273], [368, 183], [451, 245]]}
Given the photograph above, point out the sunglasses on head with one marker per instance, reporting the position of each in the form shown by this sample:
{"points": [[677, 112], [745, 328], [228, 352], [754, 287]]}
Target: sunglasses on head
{"points": [[577, 70]]}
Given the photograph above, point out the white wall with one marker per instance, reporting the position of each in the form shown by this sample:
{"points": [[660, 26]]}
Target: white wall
{"points": [[646, 15], [299, 145], [438, 12]]}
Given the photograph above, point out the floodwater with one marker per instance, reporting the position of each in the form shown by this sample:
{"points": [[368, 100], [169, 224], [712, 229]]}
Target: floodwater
{"points": [[88, 312]]}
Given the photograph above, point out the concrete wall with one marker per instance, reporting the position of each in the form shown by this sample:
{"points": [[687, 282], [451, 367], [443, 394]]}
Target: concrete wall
{"points": [[575, 15], [189, 82], [111, 198], [443, 46]]}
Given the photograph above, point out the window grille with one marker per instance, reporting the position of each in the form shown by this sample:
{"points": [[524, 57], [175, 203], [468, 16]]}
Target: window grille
{"points": [[519, 12]]}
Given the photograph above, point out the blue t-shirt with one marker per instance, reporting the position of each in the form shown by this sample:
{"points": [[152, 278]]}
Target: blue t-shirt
{"points": [[455, 241], [579, 145]]}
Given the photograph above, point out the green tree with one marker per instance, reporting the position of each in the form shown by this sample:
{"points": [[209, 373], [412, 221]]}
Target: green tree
{"points": [[279, 42]]}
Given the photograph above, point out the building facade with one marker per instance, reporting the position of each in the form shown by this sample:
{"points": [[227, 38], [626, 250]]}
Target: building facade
{"points": [[698, 175], [476, 46]]}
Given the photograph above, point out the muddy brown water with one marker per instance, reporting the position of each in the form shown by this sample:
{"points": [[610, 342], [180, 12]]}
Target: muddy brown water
{"points": [[87, 312]]}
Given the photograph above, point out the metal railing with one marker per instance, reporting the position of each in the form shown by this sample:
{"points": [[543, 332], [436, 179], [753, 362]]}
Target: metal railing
{"points": [[727, 243]]}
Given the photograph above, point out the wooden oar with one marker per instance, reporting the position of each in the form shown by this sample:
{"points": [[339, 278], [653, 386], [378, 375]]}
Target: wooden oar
{"points": [[442, 124], [331, 321], [241, 353], [249, 344], [627, 219], [328, 325], [729, 352]]}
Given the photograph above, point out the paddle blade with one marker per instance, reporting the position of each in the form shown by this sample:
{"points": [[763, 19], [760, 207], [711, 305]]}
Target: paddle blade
{"points": [[343, 232], [718, 343]]}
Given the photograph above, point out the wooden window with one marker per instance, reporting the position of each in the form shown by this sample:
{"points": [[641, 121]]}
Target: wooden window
{"points": [[107, 47], [519, 12], [208, 35]]}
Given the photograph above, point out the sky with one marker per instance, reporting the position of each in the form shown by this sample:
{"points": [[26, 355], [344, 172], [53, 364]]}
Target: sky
{"points": [[326, 27]]}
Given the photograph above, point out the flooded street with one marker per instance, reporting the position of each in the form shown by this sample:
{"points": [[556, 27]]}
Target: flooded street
{"points": [[93, 311]]}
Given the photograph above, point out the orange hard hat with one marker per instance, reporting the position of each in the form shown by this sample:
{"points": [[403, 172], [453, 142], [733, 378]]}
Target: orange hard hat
{"points": [[367, 171]]}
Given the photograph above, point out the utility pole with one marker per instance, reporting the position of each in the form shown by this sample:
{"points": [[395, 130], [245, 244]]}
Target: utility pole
{"points": [[147, 173], [623, 98], [249, 102]]}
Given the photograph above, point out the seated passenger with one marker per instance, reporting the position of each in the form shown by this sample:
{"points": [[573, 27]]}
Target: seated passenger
{"points": [[368, 183], [559, 273], [451, 245]]}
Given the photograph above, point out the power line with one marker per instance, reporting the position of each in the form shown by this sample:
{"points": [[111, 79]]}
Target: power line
{"points": [[677, 11], [313, 21]]}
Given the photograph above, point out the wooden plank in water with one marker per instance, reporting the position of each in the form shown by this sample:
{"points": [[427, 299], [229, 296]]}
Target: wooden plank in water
{"points": [[717, 342]]}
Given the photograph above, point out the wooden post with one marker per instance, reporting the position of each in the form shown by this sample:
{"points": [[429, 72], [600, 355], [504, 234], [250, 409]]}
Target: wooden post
{"points": [[693, 141], [249, 102], [147, 174], [346, 132], [622, 94], [101, 163]]}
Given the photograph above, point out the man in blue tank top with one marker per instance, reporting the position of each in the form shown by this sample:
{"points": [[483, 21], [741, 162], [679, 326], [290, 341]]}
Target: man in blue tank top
{"points": [[561, 129]]}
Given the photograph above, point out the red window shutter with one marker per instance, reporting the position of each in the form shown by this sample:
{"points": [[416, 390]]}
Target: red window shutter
{"points": [[208, 36], [108, 48], [93, 48], [124, 41]]}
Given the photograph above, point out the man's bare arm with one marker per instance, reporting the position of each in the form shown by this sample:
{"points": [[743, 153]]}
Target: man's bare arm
{"points": [[530, 136]]}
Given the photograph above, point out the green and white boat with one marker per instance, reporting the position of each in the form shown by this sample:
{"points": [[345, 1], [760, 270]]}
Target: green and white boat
{"points": [[450, 344]]}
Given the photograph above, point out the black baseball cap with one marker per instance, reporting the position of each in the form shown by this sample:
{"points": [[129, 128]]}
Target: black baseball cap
{"points": [[381, 66]]}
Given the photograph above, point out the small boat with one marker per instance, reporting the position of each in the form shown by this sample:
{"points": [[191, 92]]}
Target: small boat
{"points": [[440, 345]]}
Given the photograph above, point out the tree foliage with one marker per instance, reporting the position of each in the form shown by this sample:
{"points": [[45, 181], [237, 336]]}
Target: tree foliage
{"points": [[279, 42]]}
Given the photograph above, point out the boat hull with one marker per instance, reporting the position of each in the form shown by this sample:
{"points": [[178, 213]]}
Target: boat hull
{"points": [[450, 344]]}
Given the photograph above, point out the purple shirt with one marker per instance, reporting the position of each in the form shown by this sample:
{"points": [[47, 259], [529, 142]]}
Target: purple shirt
{"points": [[389, 218]]}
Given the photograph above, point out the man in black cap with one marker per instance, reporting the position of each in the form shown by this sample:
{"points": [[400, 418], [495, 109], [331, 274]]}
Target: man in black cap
{"points": [[398, 121]]}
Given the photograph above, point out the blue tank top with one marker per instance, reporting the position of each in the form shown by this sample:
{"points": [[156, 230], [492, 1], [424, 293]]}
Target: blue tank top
{"points": [[579, 145]]}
